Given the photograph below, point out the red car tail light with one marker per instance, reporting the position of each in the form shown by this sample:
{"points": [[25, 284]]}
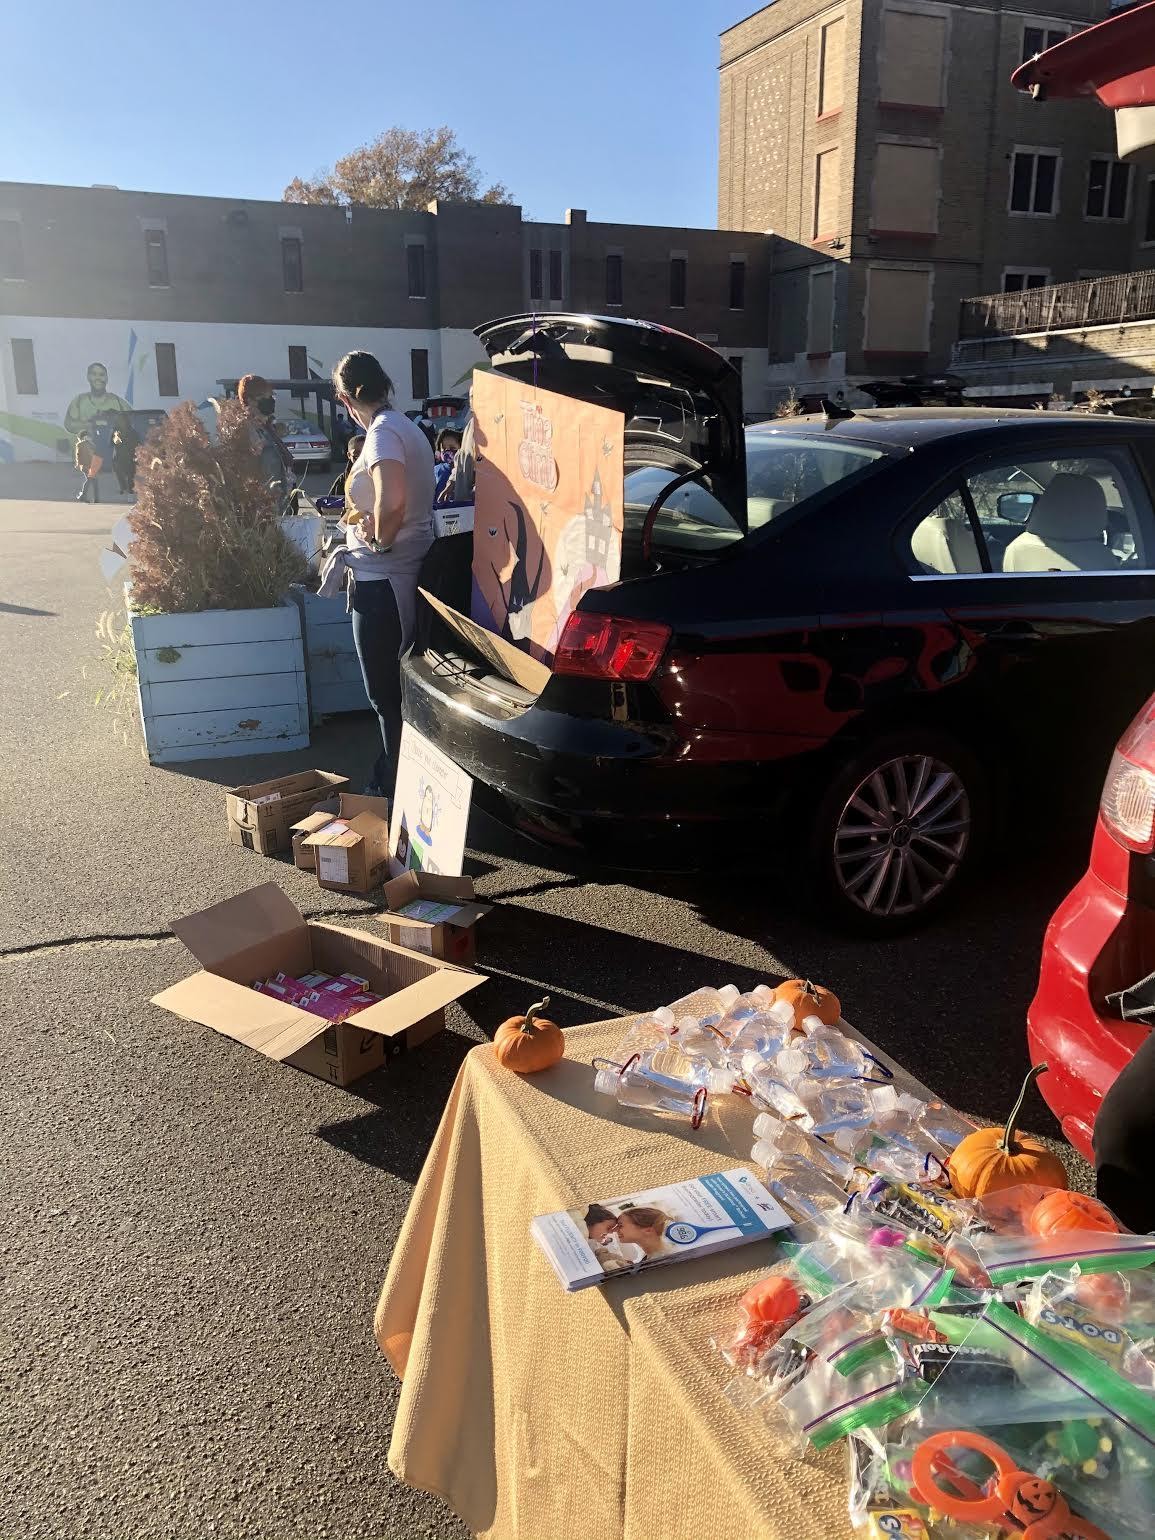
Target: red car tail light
{"points": [[602, 647], [1128, 802]]}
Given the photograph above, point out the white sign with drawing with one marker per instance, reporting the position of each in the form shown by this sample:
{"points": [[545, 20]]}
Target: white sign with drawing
{"points": [[430, 810]]}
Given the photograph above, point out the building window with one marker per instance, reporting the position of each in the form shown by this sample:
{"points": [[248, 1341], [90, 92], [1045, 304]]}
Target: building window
{"points": [[820, 312], [910, 69], [1034, 181], [1016, 279], [166, 384], [677, 283], [535, 291], [613, 279], [905, 194], [1108, 189], [826, 193], [830, 67], [157, 254], [555, 284], [419, 370], [1149, 223], [1036, 39], [735, 362], [24, 367], [415, 269], [897, 310], [292, 272], [298, 363], [11, 249], [737, 284]]}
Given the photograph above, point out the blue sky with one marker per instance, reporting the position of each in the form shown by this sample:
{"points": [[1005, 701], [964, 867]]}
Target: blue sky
{"points": [[607, 105]]}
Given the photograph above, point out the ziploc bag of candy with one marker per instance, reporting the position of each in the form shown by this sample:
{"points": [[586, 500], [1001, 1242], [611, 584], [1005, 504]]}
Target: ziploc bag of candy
{"points": [[825, 1406], [924, 1206], [1009, 1258], [881, 1506], [1069, 1417], [1109, 1314]]}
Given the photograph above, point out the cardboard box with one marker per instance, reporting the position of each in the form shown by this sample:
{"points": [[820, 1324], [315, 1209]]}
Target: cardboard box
{"points": [[305, 856], [351, 850], [261, 816], [259, 933], [434, 914]]}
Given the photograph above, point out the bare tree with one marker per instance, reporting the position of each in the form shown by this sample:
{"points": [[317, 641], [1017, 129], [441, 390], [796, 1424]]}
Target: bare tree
{"points": [[402, 169]]}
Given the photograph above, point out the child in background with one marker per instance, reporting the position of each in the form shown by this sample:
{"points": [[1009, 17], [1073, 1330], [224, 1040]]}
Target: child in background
{"points": [[448, 443]]}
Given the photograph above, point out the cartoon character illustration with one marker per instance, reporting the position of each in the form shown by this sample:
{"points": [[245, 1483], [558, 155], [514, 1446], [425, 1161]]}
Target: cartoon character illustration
{"points": [[587, 554], [96, 401], [427, 816]]}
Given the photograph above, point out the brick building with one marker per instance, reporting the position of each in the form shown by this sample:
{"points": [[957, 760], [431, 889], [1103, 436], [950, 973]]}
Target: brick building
{"points": [[173, 293], [882, 142]]}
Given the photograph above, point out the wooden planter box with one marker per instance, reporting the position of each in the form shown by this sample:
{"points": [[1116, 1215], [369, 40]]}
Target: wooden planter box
{"points": [[221, 683], [334, 674]]}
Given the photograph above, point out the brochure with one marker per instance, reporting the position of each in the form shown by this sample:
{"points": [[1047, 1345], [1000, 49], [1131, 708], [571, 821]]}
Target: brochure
{"points": [[587, 1245]]}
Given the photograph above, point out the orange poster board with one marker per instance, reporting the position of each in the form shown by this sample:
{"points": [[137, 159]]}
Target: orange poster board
{"points": [[548, 512]]}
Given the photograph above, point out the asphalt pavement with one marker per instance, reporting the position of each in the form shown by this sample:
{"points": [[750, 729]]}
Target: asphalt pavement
{"points": [[193, 1237]]}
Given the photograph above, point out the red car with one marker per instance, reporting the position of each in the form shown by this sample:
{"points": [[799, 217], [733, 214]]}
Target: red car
{"points": [[1101, 939]]}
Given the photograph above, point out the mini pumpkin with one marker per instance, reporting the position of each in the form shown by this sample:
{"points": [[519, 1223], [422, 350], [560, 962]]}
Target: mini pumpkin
{"points": [[530, 1042], [810, 1000], [1061, 1211], [993, 1159], [1031, 1499]]}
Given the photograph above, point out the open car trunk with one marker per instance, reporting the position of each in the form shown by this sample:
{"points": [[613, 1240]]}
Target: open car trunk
{"points": [[682, 404]]}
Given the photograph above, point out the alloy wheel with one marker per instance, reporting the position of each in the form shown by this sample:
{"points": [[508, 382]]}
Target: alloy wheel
{"points": [[902, 835]]}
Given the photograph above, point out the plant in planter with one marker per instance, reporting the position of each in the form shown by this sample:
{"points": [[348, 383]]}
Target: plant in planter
{"points": [[218, 645]]}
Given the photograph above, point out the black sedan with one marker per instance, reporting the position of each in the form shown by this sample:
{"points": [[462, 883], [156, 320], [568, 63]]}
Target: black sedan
{"points": [[884, 639]]}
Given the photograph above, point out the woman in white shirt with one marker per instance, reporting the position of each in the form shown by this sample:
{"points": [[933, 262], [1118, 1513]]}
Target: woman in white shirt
{"points": [[392, 485]]}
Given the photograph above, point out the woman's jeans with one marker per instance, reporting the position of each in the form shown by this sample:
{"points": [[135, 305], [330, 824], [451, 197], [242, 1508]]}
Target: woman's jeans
{"points": [[377, 635]]}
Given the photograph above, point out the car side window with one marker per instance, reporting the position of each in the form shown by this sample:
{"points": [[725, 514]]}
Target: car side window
{"points": [[1076, 513], [943, 542]]}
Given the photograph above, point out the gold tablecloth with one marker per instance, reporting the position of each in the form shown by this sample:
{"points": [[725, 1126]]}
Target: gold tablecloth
{"points": [[600, 1415]]}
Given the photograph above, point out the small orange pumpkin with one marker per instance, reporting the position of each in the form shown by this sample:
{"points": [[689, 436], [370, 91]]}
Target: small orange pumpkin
{"points": [[810, 1000], [528, 1043], [993, 1159], [1061, 1211]]}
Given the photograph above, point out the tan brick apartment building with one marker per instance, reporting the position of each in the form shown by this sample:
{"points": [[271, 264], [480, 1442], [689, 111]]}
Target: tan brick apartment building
{"points": [[882, 142]]}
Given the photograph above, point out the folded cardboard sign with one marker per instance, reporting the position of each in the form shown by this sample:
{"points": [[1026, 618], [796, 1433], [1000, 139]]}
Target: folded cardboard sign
{"points": [[433, 914], [260, 933], [352, 850], [260, 816]]}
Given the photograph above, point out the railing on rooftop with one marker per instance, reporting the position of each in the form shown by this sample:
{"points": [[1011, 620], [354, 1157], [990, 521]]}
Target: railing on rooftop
{"points": [[1059, 306]]}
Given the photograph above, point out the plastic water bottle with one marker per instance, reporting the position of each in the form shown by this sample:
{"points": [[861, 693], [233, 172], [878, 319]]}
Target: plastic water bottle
{"points": [[646, 1032], [709, 1006], [763, 1032]]}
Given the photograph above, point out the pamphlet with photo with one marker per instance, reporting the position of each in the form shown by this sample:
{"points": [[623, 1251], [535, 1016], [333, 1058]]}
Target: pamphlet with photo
{"points": [[587, 1245]]}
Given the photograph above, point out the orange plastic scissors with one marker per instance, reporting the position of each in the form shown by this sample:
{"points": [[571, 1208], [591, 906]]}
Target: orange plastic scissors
{"points": [[1012, 1498]]}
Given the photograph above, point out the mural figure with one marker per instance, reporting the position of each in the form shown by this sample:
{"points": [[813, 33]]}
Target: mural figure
{"points": [[96, 401]]}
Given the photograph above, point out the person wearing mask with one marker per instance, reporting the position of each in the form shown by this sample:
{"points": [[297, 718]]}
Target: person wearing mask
{"points": [[448, 443], [352, 451], [256, 396], [458, 486], [391, 485]]}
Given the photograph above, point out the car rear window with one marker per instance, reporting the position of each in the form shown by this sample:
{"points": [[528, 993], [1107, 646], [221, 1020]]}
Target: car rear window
{"points": [[782, 472]]}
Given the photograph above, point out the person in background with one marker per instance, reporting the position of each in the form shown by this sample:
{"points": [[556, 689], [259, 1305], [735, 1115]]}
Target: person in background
{"points": [[125, 443], [87, 462], [458, 487], [448, 443], [391, 485], [96, 401], [256, 396], [352, 450]]}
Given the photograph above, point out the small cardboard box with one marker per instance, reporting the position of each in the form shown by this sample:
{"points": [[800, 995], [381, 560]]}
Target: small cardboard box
{"points": [[352, 849], [434, 914], [345, 805], [254, 935], [260, 816]]}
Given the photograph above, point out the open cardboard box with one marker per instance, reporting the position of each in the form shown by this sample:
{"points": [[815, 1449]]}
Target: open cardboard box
{"points": [[260, 816], [252, 936], [344, 808], [434, 914], [509, 661], [352, 850]]}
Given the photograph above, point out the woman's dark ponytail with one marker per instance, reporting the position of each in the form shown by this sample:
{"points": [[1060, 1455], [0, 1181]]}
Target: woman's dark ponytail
{"points": [[360, 377]]}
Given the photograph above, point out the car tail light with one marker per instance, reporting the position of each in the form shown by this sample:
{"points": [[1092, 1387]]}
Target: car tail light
{"points": [[602, 647], [1128, 802]]}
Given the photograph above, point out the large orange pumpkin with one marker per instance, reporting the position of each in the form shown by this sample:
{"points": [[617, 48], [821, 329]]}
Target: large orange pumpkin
{"points": [[528, 1043], [1060, 1211], [993, 1159], [810, 1000]]}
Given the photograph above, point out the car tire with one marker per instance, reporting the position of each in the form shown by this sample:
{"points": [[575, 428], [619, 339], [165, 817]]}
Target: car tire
{"points": [[898, 832]]}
